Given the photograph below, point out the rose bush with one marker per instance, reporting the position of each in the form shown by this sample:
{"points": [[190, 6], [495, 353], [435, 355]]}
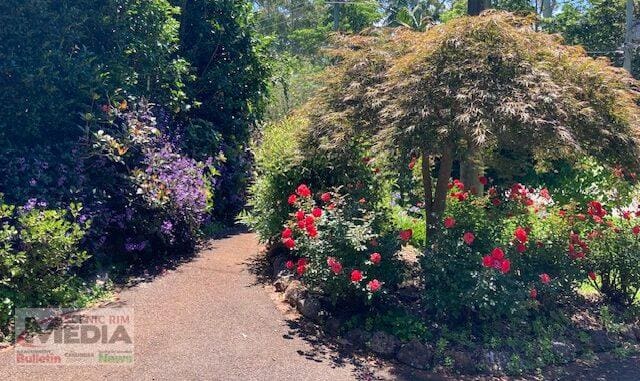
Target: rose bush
{"points": [[283, 161], [499, 255], [336, 247]]}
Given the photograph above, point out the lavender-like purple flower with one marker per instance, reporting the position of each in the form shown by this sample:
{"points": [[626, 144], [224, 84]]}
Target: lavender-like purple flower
{"points": [[166, 227], [134, 246]]}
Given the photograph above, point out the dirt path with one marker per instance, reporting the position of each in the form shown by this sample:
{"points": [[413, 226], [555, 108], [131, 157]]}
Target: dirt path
{"points": [[209, 320]]}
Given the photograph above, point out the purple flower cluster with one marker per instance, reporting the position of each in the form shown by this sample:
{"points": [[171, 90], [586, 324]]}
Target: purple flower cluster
{"points": [[180, 179], [131, 246]]}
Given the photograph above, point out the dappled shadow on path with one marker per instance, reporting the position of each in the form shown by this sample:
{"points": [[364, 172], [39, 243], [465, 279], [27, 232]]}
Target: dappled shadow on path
{"points": [[339, 354], [144, 271], [260, 266], [608, 368]]}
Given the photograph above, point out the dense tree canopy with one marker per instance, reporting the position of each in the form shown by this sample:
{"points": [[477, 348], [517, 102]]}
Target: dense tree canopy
{"points": [[476, 89], [60, 59]]}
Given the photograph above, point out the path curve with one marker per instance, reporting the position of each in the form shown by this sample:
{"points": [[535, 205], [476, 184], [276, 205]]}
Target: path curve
{"points": [[207, 320]]}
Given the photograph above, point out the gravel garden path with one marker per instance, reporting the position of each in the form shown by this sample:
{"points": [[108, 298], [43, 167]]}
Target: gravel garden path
{"points": [[210, 319]]}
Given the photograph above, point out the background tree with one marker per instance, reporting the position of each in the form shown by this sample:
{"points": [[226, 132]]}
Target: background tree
{"points": [[60, 59], [218, 38], [597, 25]]}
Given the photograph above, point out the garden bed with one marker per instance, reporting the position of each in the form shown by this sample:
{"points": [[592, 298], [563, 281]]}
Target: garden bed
{"points": [[593, 335]]}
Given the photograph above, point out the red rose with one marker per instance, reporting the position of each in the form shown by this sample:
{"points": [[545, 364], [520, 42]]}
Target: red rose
{"points": [[497, 254], [335, 266], [487, 261], [303, 191], [405, 235], [505, 266], [483, 180], [468, 238], [302, 262], [592, 276], [300, 215], [289, 243], [286, 233], [545, 278], [289, 265], [302, 224], [374, 285], [292, 199], [533, 294], [375, 258], [356, 276], [449, 222], [459, 184], [636, 230], [496, 202], [312, 231], [521, 248], [326, 197], [461, 196], [309, 220], [301, 269], [316, 212], [595, 209], [521, 235]]}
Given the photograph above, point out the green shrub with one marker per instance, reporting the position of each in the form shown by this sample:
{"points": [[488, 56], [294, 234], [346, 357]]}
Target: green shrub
{"points": [[340, 252], [283, 161], [40, 249], [61, 59], [492, 252]]}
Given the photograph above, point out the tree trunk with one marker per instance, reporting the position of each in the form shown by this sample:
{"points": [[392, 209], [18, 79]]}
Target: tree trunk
{"points": [[427, 187], [475, 7], [442, 186], [470, 171], [547, 9]]}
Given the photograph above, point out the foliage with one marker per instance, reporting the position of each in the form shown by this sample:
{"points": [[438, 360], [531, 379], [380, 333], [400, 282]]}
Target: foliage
{"points": [[275, 158], [417, 15], [283, 160], [228, 57], [159, 197], [339, 252], [360, 15], [597, 25], [474, 86], [299, 27], [294, 80], [40, 251], [494, 251], [59, 58]]}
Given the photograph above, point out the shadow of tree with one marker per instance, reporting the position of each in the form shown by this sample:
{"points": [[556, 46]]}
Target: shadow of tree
{"points": [[339, 353]]}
